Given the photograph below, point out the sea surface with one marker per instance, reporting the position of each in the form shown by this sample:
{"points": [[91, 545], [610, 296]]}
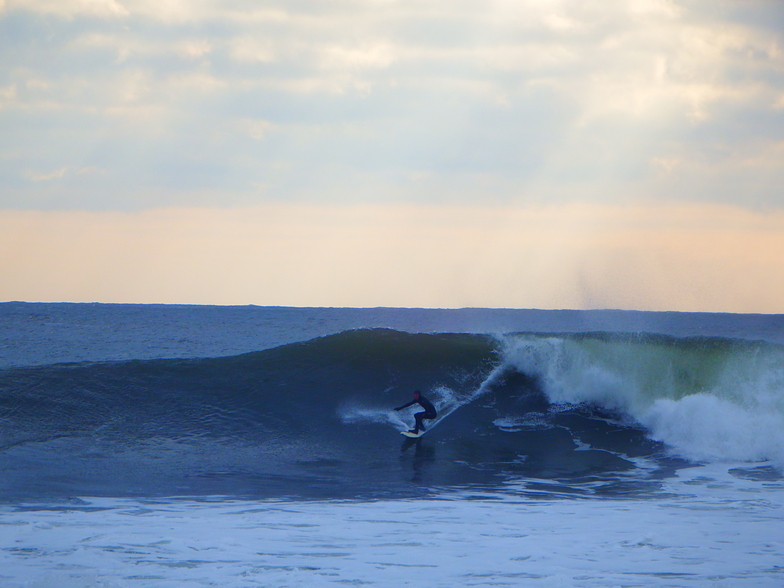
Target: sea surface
{"points": [[167, 446]]}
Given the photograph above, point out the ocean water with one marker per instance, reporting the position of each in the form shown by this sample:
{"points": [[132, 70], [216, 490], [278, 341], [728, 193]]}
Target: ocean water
{"points": [[155, 445]]}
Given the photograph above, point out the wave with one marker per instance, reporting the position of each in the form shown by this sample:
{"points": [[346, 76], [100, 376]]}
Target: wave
{"points": [[708, 399], [586, 412]]}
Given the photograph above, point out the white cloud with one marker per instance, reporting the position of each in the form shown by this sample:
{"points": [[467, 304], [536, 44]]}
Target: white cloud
{"points": [[572, 98], [560, 22], [375, 56], [7, 93], [67, 8], [250, 49], [196, 47], [254, 128], [45, 177], [665, 8]]}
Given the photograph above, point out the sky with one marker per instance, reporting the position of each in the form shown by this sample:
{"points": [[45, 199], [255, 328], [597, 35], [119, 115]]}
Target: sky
{"points": [[520, 154]]}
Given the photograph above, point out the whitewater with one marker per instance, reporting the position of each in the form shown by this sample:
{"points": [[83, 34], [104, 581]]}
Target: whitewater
{"points": [[166, 445]]}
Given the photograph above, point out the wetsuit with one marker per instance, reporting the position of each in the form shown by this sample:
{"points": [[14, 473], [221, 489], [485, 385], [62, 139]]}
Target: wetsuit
{"points": [[429, 413]]}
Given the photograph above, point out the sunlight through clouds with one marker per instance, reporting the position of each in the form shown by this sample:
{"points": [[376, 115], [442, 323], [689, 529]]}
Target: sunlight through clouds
{"points": [[513, 104], [542, 95]]}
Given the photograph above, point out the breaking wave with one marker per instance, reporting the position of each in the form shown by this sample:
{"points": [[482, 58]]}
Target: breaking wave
{"points": [[707, 398]]}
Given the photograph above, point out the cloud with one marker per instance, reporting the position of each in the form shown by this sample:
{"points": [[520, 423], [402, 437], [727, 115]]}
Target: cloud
{"points": [[8, 93], [67, 8], [45, 177], [254, 128], [250, 49], [517, 101]]}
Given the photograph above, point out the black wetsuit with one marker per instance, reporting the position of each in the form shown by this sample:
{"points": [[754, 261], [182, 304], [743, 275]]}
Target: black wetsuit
{"points": [[430, 411]]}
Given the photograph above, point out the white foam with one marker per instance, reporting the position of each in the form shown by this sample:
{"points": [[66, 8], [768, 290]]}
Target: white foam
{"points": [[706, 428], [529, 421], [352, 414], [718, 531], [723, 405]]}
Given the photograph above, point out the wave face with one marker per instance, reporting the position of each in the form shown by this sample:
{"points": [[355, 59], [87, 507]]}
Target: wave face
{"points": [[572, 414]]}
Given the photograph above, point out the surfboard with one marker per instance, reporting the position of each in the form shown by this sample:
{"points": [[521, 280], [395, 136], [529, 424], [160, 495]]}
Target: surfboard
{"points": [[412, 435]]}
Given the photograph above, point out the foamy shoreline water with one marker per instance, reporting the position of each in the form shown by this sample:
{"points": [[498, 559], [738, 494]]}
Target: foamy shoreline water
{"points": [[714, 530]]}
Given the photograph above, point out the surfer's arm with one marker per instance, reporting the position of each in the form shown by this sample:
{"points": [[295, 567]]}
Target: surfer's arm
{"points": [[406, 405]]}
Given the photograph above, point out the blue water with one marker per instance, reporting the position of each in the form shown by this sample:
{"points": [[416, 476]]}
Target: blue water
{"points": [[43, 333], [574, 448]]}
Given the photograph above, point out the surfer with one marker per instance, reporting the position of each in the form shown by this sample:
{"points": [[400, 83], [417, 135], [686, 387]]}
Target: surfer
{"points": [[429, 412]]}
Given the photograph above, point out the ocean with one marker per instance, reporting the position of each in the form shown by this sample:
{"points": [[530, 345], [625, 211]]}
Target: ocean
{"points": [[172, 445]]}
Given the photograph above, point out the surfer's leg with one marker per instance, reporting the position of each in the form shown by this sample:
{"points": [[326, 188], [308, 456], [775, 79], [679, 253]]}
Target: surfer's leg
{"points": [[418, 418]]}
